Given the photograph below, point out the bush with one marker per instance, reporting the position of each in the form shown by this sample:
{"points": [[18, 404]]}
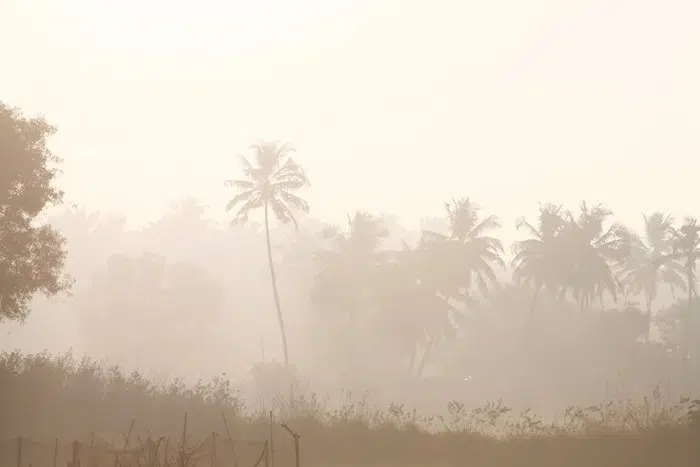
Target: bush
{"points": [[46, 396]]}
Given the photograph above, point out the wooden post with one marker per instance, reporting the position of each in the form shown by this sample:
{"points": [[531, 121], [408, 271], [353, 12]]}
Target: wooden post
{"points": [[20, 443], [166, 459], [76, 454], [272, 445], [55, 453], [230, 439], [92, 441], [296, 444], [184, 434], [212, 462]]}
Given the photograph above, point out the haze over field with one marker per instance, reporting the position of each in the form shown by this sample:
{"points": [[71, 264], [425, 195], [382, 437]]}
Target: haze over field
{"points": [[394, 108]]}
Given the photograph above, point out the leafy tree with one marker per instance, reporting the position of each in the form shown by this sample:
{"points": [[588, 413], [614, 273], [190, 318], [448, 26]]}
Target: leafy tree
{"points": [[270, 182], [537, 259], [651, 263], [465, 256], [679, 324], [31, 254], [136, 302]]}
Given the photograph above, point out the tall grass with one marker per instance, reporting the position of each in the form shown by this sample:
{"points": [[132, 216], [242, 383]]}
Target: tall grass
{"points": [[44, 396]]}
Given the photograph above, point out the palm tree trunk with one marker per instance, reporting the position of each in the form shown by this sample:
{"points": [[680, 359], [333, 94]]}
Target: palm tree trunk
{"points": [[275, 293], [424, 358], [412, 360], [535, 295], [649, 302]]}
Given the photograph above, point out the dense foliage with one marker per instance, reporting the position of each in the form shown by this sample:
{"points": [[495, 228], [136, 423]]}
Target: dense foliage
{"points": [[31, 254], [46, 397]]}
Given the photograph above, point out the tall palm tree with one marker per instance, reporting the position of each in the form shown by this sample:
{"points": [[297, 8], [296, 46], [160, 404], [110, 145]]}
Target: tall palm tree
{"points": [[651, 262], [271, 179], [537, 259], [592, 254], [466, 255]]}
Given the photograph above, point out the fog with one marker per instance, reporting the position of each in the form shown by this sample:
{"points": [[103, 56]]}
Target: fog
{"points": [[394, 108]]}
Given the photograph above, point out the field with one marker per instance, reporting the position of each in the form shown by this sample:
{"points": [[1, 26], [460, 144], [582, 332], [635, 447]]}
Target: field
{"points": [[55, 410]]}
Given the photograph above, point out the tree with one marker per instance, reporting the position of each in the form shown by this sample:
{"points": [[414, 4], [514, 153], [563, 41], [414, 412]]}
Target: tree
{"points": [[465, 256], [137, 303], [347, 272], [590, 253], [269, 184], [415, 315], [31, 254], [537, 260], [686, 247], [651, 262]]}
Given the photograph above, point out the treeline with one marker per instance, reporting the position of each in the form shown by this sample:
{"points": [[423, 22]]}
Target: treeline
{"points": [[578, 309], [47, 397], [366, 299]]}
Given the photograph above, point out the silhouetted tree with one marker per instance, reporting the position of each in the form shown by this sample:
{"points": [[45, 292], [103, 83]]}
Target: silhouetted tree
{"points": [[138, 304], [416, 315], [345, 270], [538, 259], [31, 255], [269, 184], [465, 254], [592, 253], [686, 247], [347, 273], [651, 263]]}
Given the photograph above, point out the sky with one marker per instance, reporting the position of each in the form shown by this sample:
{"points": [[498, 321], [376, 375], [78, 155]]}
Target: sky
{"points": [[393, 106]]}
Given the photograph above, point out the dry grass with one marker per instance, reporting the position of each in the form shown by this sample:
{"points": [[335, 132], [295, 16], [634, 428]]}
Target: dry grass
{"points": [[44, 397]]}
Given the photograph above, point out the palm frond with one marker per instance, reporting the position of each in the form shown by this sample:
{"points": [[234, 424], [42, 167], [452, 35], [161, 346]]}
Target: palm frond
{"points": [[254, 202], [242, 198], [240, 185], [294, 201], [523, 223]]}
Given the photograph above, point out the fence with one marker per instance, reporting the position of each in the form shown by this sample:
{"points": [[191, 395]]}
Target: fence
{"points": [[215, 450]]}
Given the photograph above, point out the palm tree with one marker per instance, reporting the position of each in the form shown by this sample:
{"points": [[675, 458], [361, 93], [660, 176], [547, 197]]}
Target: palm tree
{"points": [[269, 183], [652, 263], [537, 260], [465, 256], [417, 317], [346, 268], [686, 246], [591, 253]]}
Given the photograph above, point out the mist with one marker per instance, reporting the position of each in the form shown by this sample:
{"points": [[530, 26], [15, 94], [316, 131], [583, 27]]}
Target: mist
{"points": [[394, 109]]}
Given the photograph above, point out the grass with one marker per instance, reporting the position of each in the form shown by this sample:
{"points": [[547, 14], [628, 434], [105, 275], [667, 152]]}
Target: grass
{"points": [[45, 396]]}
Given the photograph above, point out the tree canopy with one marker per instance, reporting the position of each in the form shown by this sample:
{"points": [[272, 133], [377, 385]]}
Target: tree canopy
{"points": [[31, 253]]}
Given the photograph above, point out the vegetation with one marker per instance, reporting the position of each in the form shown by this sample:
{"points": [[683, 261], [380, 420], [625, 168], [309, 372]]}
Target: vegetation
{"points": [[270, 185], [388, 302], [45, 397], [31, 255]]}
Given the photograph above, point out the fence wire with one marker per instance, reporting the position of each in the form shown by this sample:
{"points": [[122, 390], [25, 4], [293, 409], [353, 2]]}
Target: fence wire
{"points": [[213, 451]]}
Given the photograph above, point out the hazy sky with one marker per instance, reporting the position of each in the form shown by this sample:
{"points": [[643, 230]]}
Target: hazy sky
{"points": [[393, 105]]}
